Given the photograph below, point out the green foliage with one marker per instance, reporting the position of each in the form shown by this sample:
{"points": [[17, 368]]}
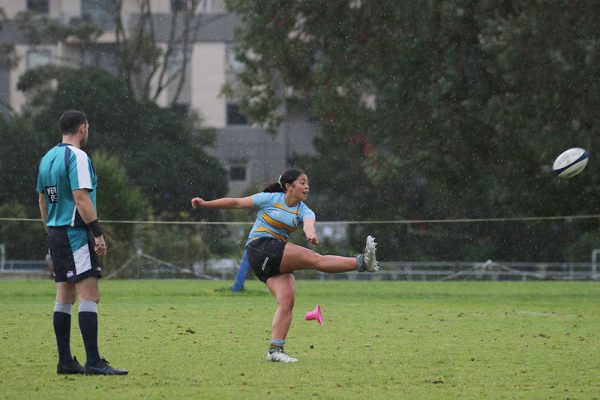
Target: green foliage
{"points": [[8, 57], [183, 245], [157, 148], [32, 26], [583, 247], [149, 161], [183, 339], [20, 153], [84, 33], [118, 199], [40, 29], [434, 110], [23, 241]]}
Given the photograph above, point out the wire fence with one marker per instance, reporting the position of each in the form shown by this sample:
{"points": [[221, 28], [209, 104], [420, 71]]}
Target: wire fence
{"points": [[213, 249], [148, 267]]}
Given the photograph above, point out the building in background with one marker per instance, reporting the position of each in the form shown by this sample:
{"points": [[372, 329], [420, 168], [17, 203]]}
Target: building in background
{"points": [[252, 156]]}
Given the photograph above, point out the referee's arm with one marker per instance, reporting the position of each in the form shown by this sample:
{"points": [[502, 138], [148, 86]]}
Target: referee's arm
{"points": [[88, 214], [43, 209]]}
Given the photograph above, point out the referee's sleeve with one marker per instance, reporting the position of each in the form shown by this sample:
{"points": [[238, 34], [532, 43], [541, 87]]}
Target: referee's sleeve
{"points": [[79, 171]]}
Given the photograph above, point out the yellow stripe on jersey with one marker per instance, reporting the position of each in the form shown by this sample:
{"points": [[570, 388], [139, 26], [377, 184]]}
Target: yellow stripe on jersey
{"points": [[270, 232], [282, 207], [277, 224]]}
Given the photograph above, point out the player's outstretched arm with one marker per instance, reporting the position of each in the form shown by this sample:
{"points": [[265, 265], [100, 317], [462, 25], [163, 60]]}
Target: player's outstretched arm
{"points": [[225, 202], [310, 231]]}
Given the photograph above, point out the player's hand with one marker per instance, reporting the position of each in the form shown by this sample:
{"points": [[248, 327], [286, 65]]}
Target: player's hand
{"points": [[312, 238], [197, 202], [100, 246]]}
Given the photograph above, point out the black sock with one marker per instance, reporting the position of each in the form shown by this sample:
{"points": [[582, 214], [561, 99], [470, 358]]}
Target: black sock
{"points": [[88, 325], [62, 330], [276, 345]]}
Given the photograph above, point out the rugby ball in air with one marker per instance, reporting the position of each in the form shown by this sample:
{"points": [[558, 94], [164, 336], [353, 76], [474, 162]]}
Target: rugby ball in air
{"points": [[570, 162]]}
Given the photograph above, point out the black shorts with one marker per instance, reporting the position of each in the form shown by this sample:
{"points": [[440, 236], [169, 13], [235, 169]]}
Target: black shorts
{"points": [[264, 256], [73, 254]]}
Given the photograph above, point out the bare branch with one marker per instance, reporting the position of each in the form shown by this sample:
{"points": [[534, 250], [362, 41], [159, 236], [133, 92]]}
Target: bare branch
{"points": [[186, 45], [184, 37], [192, 23], [148, 19], [165, 62], [122, 44]]}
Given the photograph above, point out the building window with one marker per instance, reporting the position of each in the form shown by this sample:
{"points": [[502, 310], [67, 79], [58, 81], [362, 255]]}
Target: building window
{"points": [[100, 12], [180, 5], [233, 65], [176, 60], [237, 171], [38, 6], [207, 6], [177, 5], [181, 109], [233, 68], [102, 56], [233, 115], [204, 6], [38, 58]]}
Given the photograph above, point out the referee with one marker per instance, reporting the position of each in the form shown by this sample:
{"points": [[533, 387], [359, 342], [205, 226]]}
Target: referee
{"points": [[66, 188]]}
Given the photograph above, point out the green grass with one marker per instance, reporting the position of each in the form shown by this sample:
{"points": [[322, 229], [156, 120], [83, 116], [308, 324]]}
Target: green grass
{"points": [[184, 339]]}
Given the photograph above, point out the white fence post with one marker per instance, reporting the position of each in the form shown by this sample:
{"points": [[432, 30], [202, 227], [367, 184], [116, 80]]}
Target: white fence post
{"points": [[594, 263], [2, 256]]}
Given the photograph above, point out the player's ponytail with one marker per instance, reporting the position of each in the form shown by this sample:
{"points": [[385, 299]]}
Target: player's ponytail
{"points": [[288, 176]]}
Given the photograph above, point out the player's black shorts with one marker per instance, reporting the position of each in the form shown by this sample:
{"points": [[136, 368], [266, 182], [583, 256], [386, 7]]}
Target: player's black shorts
{"points": [[264, 256], [73, 254]]}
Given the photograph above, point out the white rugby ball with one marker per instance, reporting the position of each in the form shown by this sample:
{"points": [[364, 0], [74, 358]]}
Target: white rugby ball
{"points": [[570, 162]]}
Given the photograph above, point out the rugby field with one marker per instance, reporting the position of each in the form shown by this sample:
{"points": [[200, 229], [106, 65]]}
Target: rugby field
{"points": [[184, 339]]}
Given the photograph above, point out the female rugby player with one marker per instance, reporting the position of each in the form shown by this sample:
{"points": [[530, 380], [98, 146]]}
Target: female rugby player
{"points": [[281, 209]]}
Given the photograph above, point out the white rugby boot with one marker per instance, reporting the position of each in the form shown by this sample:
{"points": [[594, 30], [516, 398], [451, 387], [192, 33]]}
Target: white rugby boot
{"points": [[278, 355], [369, 261]]}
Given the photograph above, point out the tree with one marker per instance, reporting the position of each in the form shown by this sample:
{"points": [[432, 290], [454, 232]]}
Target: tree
{"points": [[161, 152], [146, 64], [149, 161], [8, 57], [433, 110], [23, 240], [118, 200], [147, 67]]}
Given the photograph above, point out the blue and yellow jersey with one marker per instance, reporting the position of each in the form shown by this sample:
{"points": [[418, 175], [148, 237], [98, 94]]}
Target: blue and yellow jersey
{"points": [[275, 218], [63, 169]]}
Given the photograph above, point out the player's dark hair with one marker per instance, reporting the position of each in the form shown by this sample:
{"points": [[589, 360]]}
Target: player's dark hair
{"points": [[288, 176], [71, 120]]}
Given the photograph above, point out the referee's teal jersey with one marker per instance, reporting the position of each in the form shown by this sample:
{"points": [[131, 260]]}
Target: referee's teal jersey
{"points": [[63, 169], [275, 218]]}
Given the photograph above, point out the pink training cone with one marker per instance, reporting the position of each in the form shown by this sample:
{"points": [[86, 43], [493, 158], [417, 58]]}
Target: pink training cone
{"points": [[315, 314]]}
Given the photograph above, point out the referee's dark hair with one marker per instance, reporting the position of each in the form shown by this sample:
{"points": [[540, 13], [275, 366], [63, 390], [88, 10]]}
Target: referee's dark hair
{"points": [[71, 120]]}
